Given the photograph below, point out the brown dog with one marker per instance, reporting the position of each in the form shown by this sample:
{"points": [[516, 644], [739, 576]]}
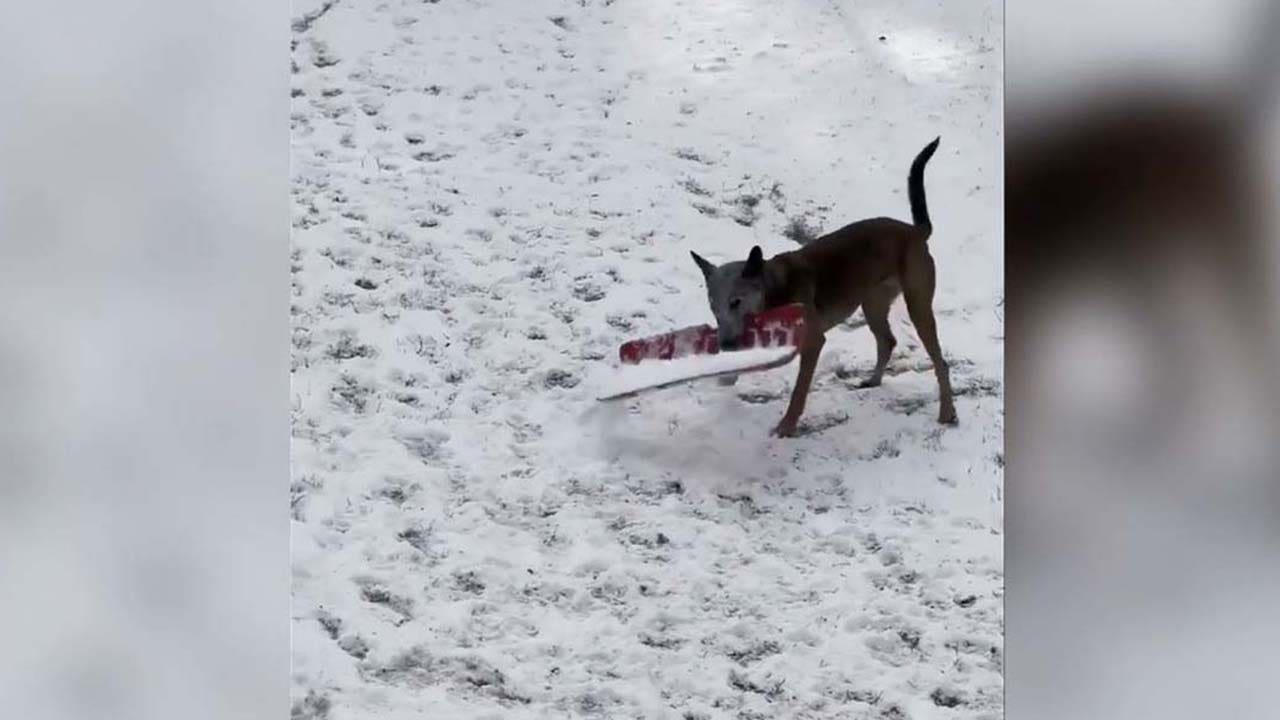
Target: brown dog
{"points": [[865, 264]]}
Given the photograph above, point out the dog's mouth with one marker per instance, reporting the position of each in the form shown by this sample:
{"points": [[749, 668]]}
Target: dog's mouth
{"points": [[730, 343], [738, 340]]}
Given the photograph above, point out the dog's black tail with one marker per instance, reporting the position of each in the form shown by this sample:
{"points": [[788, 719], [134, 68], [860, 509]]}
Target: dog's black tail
{"points": [[915, 188]]}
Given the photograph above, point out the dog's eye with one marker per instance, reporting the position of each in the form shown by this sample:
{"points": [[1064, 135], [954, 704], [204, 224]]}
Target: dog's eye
{"points": [[734, 303]]}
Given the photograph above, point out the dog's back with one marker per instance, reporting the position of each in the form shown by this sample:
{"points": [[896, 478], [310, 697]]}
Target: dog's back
{"points": [[846, 263]]}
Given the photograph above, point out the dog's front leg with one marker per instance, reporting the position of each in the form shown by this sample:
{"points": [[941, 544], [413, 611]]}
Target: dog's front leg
{"points": [[808, 363], [810, 348]]}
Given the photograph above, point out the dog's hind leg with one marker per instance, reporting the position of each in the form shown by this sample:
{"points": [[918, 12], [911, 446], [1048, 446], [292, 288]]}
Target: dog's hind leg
{"points": [[875, 307], [917, 289]]}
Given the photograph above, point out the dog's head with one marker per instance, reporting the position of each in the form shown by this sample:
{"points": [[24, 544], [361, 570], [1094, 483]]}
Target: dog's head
{"points": [[734, 290]]}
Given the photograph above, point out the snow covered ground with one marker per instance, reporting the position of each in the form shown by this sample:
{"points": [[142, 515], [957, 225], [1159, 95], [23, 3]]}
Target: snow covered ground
{"points": [[488, 198]]}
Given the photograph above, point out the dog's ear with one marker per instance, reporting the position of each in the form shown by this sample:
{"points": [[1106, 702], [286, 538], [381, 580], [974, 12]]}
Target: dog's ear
{"points": [[706, 267], [755, 263]]}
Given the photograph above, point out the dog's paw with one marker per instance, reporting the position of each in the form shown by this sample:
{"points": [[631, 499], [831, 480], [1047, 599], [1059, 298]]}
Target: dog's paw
{"points": [[785, 429]]}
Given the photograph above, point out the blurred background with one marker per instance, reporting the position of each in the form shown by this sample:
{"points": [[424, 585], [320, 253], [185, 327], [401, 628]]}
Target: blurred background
{"points": [[1143, 506], [143, 359], [144, 220]]}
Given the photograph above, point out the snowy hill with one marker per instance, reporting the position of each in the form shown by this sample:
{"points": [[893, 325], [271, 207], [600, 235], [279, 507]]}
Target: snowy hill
{"points": [[488, 198]]}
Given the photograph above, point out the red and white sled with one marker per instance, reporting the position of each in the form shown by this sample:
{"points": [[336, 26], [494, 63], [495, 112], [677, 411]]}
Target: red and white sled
{"points": [[770, 340]]}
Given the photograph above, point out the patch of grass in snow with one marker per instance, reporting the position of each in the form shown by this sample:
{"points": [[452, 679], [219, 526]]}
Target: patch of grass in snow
{"points": [[800, 231], [312, 707]]}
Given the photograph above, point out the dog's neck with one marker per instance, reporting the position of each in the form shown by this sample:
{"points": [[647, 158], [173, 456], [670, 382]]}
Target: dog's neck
{"points": [[779, 288]]}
